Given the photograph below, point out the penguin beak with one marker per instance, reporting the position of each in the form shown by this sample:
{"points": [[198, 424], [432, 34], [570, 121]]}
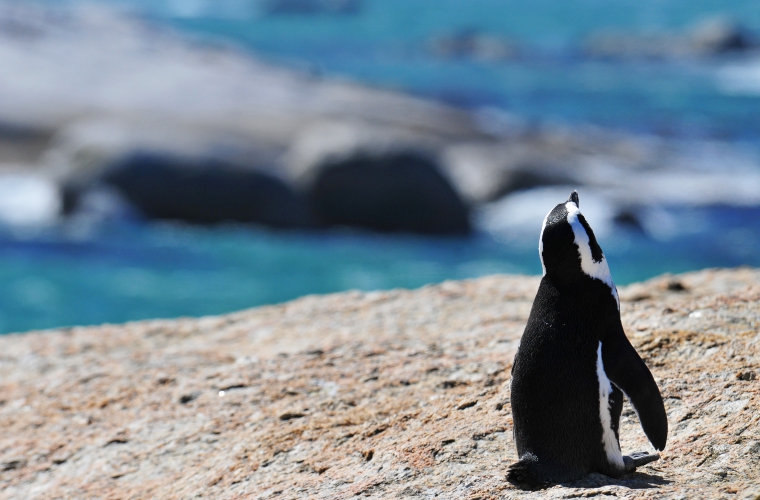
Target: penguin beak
{"points": [[574, 198]]}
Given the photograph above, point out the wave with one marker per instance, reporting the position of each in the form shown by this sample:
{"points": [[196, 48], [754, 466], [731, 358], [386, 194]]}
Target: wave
{"points": [[28, 200], [740, 78]]}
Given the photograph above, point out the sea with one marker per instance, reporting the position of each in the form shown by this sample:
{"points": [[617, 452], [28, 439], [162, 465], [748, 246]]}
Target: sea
{"points": [[83, 272]]}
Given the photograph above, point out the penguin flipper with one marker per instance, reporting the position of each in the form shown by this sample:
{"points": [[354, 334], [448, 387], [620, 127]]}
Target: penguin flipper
{"points": [[626, 369]]}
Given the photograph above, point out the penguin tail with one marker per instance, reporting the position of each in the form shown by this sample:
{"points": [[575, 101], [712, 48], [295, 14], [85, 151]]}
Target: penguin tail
{"points": [[524, 473]]}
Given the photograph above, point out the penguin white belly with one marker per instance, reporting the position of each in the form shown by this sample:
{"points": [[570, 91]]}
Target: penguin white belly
{"points": [[610, 442]]}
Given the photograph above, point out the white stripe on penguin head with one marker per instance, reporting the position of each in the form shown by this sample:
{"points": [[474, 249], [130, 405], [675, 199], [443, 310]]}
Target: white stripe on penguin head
{"points": [[597, 270]]}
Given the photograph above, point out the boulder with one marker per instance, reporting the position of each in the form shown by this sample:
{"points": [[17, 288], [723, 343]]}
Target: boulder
{"points": [[399, 191], [197, 190], [376, 177], [97, 62], [336, 174]]}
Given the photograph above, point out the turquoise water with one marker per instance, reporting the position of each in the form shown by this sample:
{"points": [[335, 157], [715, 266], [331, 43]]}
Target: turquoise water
{"points": [[550, 79], [117, 272], [387, 43], [128, 272], [71, 275]]}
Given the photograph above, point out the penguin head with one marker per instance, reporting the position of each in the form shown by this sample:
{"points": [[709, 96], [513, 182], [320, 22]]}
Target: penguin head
{"points": [[568, 248]]}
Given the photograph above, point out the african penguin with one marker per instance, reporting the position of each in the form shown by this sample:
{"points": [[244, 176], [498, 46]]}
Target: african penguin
{"points": [[575, 364]]}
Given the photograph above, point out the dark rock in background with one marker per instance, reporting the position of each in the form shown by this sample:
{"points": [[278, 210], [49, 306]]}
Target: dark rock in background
{"points": [[202, 191], [401, 191], [711, 37], [300, 7], [719, 36], [96, 203], [629, 219]]}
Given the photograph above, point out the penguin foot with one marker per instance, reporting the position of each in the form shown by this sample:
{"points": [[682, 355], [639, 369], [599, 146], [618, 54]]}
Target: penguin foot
{"points": [[637, 459], [522, 473]]}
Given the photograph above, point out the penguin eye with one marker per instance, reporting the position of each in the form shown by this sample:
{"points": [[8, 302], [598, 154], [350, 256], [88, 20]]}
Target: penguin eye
{"points": [[596, 251]]}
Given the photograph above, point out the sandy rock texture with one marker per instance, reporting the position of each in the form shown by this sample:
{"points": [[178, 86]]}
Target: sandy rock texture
{"points": [[398, 394]]}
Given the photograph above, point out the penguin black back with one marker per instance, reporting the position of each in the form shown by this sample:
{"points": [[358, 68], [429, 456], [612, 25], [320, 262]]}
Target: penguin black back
{"points": [[575, 364]]}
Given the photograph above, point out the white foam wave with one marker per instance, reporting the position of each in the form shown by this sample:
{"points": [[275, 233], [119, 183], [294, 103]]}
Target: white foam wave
{"points": [[28, 200], [519, 215], [740, 79]]}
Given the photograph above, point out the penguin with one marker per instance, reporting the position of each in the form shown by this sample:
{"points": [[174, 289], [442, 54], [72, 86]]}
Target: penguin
{"points": [[575, 365]]}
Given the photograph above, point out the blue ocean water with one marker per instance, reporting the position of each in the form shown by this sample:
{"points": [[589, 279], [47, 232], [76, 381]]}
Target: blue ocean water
{"points": [[111, 274], [70, 275], [130, 272], [388, 42]]}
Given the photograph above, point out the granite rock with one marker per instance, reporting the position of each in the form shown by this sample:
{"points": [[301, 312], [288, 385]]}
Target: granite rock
{"points": [[379, 395]]}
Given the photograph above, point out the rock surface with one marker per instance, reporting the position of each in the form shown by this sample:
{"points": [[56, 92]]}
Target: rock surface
{"points": [[382, 395]]}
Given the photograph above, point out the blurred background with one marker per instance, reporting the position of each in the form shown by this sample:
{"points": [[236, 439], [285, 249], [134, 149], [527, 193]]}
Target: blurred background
{"points": [[164, 158]]}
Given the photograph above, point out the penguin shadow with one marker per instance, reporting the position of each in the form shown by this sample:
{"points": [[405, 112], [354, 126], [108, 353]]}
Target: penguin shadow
{"points": [[637, 480], [634, 481]]}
